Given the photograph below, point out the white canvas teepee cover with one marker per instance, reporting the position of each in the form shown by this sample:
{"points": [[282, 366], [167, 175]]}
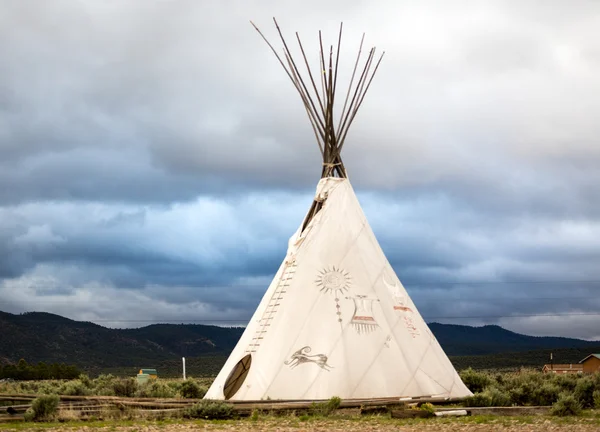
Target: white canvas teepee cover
{"points": [[336, 321]]}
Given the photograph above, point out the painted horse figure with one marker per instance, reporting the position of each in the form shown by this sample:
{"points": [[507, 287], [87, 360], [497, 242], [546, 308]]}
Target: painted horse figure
{"points": [[301, 356]]}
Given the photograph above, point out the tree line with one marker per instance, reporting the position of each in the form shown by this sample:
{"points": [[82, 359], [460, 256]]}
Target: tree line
{"points": [[41, 371]]}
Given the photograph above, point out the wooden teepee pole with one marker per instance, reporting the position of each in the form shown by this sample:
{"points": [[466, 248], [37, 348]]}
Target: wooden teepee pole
{"points": [[320, 106]]}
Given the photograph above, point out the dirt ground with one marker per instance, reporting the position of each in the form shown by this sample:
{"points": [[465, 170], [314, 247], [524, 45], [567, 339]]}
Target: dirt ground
{"points": [[473, 424]]}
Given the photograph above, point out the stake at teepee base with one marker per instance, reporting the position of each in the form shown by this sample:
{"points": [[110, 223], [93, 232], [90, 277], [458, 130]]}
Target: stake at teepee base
{"points": [[336, 320]]}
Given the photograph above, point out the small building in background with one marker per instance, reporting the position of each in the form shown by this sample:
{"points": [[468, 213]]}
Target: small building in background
{"points": [[144, 375], [150, 372], [562, 368], [591, 363]]}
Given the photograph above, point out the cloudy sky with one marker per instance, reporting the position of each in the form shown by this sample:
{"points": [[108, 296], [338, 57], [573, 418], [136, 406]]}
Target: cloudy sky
{"points": [[154, 159]]}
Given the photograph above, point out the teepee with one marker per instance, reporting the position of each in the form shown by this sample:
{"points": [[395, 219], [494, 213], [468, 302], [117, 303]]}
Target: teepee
{"points": [[336, 320]]}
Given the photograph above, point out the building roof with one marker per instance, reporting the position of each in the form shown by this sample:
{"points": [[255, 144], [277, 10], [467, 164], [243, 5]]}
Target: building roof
{"points": [[574, 366], [591, 355]]}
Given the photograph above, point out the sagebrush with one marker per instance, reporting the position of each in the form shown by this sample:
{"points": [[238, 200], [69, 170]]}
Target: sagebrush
{"points": [[43, 408], [109, 385], [210, 410], [529, 388]]}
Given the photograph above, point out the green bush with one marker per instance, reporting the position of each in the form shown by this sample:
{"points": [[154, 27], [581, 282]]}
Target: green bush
{"points": [[104, 391], [499, 378], [85, 379], [160, 389], [103, 384], [48, 387], [521, 393], [566, 405], [43, 408], [597, 399], [475, 381], [498, 398], [478, 400], [567, 382], [190, 389], [325, 408], [155, 389], [210, 410], [545, 395], [74, 388], [584, 392], [427, 407], [124, 387]]}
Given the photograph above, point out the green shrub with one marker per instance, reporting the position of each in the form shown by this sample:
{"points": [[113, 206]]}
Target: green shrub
{"points": [[499, 378], [566, 405], [155, 389], [584, 392], [29, 415], [85, 379], [43, 408], [427, 407], [475, 381], [159, 389], [478, 400], [175, 385], [103, 380], [498, 398], [210, 410], [124, 387], [325, 408], [521, 393], [48, 387], [597, 399], [545, 395], [566, 382], [104, 391], [74, 388], [190, 389], [103, 385]]}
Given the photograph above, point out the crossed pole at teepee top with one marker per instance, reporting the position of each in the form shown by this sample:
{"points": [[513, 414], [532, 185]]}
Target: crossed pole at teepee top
{"points": [[329, 138]]}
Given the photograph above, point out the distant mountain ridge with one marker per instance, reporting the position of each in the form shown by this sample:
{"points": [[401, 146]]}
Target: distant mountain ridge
{"points": [[460, 340], [40, 336]]}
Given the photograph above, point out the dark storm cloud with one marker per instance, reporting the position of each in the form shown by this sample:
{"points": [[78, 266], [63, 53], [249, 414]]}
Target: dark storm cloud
{"points": [[134, 249], [154, 151]]}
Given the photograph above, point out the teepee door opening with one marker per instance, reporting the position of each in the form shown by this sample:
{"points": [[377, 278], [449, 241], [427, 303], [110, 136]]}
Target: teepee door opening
{"points": [[237, 377]]}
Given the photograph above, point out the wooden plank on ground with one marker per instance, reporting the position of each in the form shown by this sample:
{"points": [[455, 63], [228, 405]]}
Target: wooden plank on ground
{"points": [[504, 411]]}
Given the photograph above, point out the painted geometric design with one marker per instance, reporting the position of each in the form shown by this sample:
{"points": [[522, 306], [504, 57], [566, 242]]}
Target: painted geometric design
{"points": [[397, 295], [363, 319], [334, 281]]}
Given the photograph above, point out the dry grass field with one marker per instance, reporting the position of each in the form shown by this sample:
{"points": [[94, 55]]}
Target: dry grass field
{"points": [[294, 424], [114, 404]]}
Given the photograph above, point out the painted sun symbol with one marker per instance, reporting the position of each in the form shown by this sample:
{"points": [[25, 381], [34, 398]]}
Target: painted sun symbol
{"points": [[333, 280]]}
